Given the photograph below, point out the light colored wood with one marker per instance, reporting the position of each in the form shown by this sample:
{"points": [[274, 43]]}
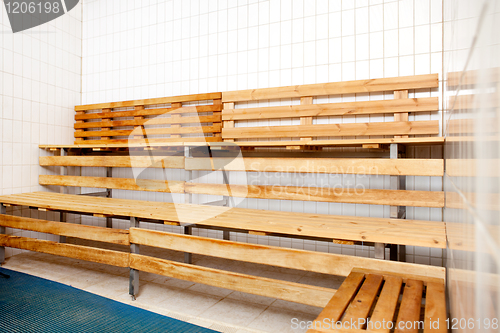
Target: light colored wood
{"points": [[319, 262], [208, 141], [150, 185], [373, 146], [306, 120], [129, 143], [145, 112], [362, 303], [152, 131], [78, 114], [151, 101], [403, 116], [228, 123], [359, 166], [175, 117], [218, 115], [169, 162], [435, 308], [409, 310], [334, 88], [422, 275], [149, 122], [109, 257], [104, 128], [323, 194], [364, 229], [356, 129], [288, 291], [257, 233], [335, 308], [385, 308], [107, 235], [334, 109]]}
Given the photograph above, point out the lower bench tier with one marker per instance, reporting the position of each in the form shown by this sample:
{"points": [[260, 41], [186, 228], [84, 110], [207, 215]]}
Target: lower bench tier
{"points": [[334, 227]]}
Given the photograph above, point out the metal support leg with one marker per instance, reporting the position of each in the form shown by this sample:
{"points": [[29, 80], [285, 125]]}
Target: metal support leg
{"points": [[379, 251], [3, 210], [188, 257], [225, 235], [398, 252], [109, 220], [133, 287], [62, 218]]}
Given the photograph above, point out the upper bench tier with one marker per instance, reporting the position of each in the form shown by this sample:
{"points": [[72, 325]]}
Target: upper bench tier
{"points": [[251, 117], [150, 121], [310, 119]]}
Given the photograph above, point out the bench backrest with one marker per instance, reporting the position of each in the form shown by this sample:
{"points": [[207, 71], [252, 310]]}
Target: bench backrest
{"points": [[150, 120], [311, 118], [328, 166]]}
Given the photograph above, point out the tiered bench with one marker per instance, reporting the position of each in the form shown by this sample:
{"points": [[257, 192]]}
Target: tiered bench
{"points": [[134, 134]]}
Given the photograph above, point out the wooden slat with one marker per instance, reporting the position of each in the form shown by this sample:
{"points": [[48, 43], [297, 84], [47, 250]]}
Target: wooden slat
{"points": [[334, 109], [174, 162], [146, 112], [335, 308], [385, 308], [409, 310], [334, 88], [325, 263], [422, 275], [174, 117], [364, 229], [129, 143], [288, 291], [218, 114], [361, 305], [152, 101], [403, 116], [323, 194], [435, 308], [107, 235], [109, 257], [152, 131], [359, 129], [149, 185], [149, 122], [358, 166]]}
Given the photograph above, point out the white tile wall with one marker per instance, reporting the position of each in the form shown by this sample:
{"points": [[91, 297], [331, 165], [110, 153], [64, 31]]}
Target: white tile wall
{"points": [[40, 75]]}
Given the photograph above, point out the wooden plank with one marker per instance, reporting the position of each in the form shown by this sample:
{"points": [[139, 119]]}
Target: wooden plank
{"points": [[146, 112], [435, 308], [334, 109], [104, 128], [79, 114], [151, 101], [218, 114], [152, 131], [149, 185], [334, 88], [149, 142], [228, 123], [288, 291], [409, 310], [385, 309], [149, 122], [107, 235], [357, 129], [168, 162], [335, 308], [357, 166], [401, 116], [323, 194], [378, 230], [109, 257], [361, 304], [311, 261], [422, 275]]}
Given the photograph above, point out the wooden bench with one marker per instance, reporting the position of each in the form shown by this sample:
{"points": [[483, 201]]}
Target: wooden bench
{"points": [[324, 263], [311, 124], [376, 301], [145, 121]]}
